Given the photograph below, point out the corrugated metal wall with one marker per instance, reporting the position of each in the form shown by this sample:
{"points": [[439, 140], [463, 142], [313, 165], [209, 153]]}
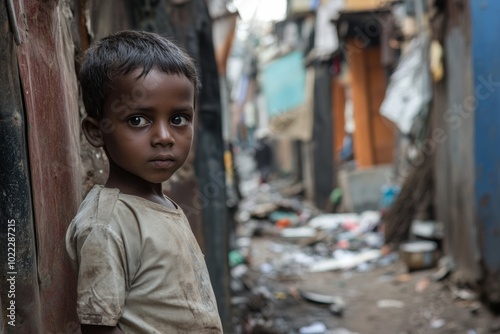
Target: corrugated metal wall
{"points": [[486, 66], [466, 108], [46, 64], [19, 293], [454, 172]]}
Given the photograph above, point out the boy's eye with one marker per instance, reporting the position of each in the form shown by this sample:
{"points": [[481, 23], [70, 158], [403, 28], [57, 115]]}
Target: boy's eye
{"points": [[180, 120], [138, 121]]}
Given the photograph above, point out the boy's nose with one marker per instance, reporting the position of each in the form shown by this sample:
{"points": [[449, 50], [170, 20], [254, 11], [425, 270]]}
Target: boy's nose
{"points": [[162, 135]]}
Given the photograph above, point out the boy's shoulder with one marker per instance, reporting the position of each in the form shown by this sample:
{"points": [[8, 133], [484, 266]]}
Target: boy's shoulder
{"points": [[97, 207], [110, 207]]}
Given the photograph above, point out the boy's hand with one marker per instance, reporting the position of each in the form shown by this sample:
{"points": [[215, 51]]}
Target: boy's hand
{"points": [[93, 329]]}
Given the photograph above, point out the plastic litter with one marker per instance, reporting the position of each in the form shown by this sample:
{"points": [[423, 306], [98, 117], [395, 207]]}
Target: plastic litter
{"points": [[314, 328], [427, 229], [437, 323], [332, 221], [390, 303], [235, 258], [298, 232], [340, 331], [346, 262], [266, 268]]}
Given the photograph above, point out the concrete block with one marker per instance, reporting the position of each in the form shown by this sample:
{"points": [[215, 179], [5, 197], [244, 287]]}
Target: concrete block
{"points": [[362, 187]]}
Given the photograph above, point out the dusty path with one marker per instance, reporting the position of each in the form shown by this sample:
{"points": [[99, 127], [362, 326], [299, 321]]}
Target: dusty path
{"points": [[380, 300], [412, 303]]}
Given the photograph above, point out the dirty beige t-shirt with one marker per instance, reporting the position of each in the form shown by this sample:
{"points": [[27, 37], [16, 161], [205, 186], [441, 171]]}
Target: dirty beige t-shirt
{"points": [[139, 267]]}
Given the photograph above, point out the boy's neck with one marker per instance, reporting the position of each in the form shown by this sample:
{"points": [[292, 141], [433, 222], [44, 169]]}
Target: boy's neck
{"points": [[149, 191]]}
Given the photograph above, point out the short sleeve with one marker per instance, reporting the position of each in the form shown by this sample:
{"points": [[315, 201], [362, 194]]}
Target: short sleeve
{"points": [[102, 276]]}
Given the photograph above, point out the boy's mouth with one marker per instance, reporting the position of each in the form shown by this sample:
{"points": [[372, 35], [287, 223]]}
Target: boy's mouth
{"points": [[163, 160]]}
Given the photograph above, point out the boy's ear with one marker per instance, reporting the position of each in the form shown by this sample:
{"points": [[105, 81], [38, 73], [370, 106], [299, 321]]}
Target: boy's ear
{"points": [[92, 131]]}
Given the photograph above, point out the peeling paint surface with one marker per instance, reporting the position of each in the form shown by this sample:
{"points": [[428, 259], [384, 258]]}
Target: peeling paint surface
{"points": [[486, 65], [46, 63]]}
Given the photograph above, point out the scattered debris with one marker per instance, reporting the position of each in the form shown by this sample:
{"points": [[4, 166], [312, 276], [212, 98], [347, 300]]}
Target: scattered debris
{"points": [[340, 331], [263, 210], [422, 285], [390, 303], [237, 277], [298, 232], [437, 323], [320, 298], [347, 261], [266, 268], [474, 308], [445, 266], [299, 242], [388, 259], [332, 221], [235, 258], [402, 278], [427, 229], [465, 294], [276, 216], [314, 328], [337, 304], [338, 307]]}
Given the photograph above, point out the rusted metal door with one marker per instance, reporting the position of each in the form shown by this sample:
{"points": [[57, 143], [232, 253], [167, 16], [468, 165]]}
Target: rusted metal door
{"points": [[19, 285], [50, 91]]}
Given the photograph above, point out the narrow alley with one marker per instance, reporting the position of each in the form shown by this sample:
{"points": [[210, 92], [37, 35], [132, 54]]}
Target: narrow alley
{"points": [[284, 279]]}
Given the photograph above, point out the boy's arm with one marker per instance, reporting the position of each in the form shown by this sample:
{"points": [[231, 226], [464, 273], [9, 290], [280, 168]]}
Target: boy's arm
{"points": [[95, 329], [102, 273]]}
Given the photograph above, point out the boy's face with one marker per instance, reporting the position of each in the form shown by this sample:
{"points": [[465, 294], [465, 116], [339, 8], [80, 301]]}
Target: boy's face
{"points": [[149, 123]]}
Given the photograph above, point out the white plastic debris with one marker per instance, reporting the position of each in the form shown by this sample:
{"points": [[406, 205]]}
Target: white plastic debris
{"points": [[314, 328], [437, 323], [266, 268], [390, 303], [243, 242], [298, 232], [340, 331], [427, 229], [368, 220], [347, 262], [277, 248], [332, 221]]}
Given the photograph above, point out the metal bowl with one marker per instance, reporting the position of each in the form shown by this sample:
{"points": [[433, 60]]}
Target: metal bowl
{"points": [[421, 254]]}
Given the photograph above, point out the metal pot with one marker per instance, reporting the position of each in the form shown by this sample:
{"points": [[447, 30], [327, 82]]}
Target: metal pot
{"points": [[421, 254]]}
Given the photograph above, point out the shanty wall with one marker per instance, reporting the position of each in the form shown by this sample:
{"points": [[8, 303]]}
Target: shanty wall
{"points": [[466, 136], [486, 80], [48, 130], [453, 140]]}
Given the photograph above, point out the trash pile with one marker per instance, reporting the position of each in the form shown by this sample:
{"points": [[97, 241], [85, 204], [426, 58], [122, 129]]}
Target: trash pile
{"points": [[297, 270], [284, 246], [306, 241]]}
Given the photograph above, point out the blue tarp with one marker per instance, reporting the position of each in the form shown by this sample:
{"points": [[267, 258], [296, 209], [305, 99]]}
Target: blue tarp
{"points": [[284, 82]]}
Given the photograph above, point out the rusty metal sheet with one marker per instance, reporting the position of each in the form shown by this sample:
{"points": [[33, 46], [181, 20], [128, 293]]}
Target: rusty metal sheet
{"points": [[19, 295], [46, 62], [107, 17], [322, 136], [209, 162], [486, 68], [462, 230]]}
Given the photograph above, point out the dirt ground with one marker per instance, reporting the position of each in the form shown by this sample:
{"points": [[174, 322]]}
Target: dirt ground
{"points": [[381, 300], [271, 287]]}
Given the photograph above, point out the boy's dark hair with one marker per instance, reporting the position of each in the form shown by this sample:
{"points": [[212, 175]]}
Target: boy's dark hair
{"points": [[121, 53]]}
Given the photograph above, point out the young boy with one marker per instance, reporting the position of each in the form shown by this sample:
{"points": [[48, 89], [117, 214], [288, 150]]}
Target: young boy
{"points": [[140, 269]]}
